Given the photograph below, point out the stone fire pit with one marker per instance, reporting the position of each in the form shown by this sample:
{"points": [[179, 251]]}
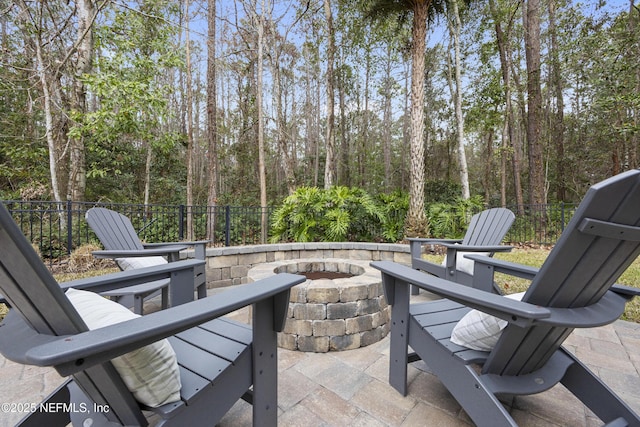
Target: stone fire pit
{"points": [[340, 307]]}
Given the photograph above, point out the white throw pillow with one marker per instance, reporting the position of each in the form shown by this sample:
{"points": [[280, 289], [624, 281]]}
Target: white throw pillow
{"points": [[151, 372], [478, 330], [140, 262], [464, 264]]}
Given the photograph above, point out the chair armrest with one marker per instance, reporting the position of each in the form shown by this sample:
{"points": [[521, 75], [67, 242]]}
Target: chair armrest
{"points": [[71, 354], [606, 310], [475, 248], [187, 243], [626, 291], [506, 267], [415, 244], [433, 241], [136, 276], [199, 246], [123, 279], [517, 312], [162, 251]]}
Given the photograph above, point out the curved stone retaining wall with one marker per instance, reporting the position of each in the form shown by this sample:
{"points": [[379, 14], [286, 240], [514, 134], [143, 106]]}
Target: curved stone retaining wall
{"points": [[229, 265]]}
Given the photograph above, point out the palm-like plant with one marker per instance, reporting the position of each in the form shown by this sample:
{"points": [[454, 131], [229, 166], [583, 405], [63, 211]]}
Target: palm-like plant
{"points": [[416, 223], [394, 208], [335, 214], [450, 220]]}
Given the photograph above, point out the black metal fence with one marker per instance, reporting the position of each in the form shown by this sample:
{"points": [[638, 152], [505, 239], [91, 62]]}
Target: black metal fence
{"points": [[539, 224], [58, 228]]}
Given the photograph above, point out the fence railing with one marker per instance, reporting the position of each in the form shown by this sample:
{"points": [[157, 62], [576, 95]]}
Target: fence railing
{"points": [[539, 224], [56, 229]]}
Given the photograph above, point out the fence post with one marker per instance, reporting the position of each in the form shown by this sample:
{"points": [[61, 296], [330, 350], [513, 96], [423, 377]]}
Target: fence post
{"points": [[69, 228], [181, 222], [227, 225], [561, 217]]}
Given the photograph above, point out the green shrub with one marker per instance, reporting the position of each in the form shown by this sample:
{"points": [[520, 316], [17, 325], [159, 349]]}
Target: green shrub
{"points": [[450, 220], [337, 214], [394, 207], [312, 214]]}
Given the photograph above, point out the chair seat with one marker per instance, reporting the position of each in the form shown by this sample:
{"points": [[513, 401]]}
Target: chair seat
{"points": [[437, 320], [207, 354], [215, 361], [434, 321]]}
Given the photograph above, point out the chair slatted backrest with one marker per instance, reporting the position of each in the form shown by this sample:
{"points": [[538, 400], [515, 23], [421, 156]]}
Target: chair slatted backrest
{"points": [[34, 294], [29, 286], [578, 272], [488, 227], [114, 230]]}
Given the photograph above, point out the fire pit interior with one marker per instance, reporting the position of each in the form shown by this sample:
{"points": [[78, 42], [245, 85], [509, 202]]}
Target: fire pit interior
{"points": [[316, 275]]}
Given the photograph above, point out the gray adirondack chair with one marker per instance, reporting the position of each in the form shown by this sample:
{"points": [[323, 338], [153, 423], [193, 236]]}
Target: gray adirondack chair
{"points": [[484, 235], [220, 360], [121, 242], [573, 289]]}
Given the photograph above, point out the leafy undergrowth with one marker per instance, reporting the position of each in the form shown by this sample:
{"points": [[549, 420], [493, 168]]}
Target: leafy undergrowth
{"points": [[535, 258]]}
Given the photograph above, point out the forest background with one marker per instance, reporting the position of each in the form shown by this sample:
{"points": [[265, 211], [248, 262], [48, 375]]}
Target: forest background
{"points": [[243, 102]]}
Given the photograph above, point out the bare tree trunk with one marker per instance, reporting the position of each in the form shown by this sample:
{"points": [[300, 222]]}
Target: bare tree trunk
{"points": [[309, 113], [534, 101], [147, 174], [330, 162], [85, 12], [33, 34], [557, 116], [518, 134], [189, 123], [504, 147], [344, 171], [386, 120], [212, 122], [454, 30], [537, 190], [365, 121], [416, 223], [312, 107], [406, 126], [508, 134], [283, 146], [488, 163], [316, 137], [49, 126], [293, 128], [261, 149]]}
